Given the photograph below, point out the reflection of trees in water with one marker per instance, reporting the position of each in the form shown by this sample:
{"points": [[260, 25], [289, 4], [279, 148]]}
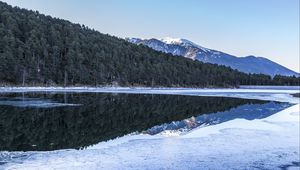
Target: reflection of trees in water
{"points": [[101, 117]]}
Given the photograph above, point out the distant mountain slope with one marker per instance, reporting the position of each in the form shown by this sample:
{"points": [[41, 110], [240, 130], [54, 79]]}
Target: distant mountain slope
{"points": [[188, 49]]}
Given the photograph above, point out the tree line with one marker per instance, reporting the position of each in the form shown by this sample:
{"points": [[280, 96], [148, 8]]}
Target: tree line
{"points": [[36, 49]]}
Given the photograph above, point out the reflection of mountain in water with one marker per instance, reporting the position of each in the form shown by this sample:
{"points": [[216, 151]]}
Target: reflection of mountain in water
{"points": [[100, 117], [246, 111]]}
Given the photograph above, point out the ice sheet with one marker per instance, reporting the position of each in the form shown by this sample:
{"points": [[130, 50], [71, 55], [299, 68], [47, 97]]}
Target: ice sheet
{"points": [[269, 143]]}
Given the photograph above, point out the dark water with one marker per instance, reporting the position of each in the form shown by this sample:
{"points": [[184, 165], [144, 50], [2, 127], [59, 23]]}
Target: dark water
{"points": [[51, 121]]}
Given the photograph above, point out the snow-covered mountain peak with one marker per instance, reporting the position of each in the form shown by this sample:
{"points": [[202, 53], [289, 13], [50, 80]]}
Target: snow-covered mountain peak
{"points": [[134, 40], [182, 42], [169, 40], [188, 49]]}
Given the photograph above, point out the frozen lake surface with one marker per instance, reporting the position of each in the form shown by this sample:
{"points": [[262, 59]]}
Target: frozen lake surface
{"points": [[242, 134]]}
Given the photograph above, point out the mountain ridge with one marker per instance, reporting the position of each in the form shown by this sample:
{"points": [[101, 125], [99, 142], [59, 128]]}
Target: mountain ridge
{"points": [[189, 49]]}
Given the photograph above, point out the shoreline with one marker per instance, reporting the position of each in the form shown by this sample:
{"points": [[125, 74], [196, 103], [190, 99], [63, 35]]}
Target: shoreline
{"points": [[281, 95], [147, 88]]}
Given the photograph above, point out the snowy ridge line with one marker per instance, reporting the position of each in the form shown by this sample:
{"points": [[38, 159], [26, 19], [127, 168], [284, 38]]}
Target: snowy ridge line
{"points": [[188, 49], [184, 42]]}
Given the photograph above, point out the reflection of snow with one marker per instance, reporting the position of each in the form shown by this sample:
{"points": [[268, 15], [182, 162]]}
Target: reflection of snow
{"points": [[268, 143], [33, 102], [247, 111]]}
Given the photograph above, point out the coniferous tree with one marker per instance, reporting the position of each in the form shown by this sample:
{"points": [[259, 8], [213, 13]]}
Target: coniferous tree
{"points": [[40, 50]]}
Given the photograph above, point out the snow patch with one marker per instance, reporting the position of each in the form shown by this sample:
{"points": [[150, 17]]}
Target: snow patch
{"points": [[183, 42]]}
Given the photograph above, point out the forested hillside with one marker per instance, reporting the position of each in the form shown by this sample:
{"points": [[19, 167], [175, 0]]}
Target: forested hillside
{"points": [[40, 50]]}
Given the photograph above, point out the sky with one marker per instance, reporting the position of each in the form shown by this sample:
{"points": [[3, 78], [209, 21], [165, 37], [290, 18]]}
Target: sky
{"points": [[266, 28]]}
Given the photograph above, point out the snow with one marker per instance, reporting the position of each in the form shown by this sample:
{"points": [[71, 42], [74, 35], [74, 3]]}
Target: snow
{"points": [[248, 64], [281, 95], [268, 143], [271, 123], [134, 40], [272, 87], [169, 40], [184, 42]]}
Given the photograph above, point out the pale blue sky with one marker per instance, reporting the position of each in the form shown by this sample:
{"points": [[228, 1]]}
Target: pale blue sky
{"points": [[268, 28]]}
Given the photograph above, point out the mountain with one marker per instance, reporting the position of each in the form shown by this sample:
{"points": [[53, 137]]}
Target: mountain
{"points": [[188, 49], [36, 49]]}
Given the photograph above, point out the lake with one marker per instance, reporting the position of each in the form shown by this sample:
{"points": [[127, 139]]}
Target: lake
{"points": [[44, 121]]}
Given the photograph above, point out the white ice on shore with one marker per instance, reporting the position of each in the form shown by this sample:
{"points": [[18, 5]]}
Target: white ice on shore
{"points": [[277, 93], [269, 143]]}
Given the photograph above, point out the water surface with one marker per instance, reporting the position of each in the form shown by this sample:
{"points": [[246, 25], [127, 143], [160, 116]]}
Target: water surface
{"points": [[45, 121]]}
